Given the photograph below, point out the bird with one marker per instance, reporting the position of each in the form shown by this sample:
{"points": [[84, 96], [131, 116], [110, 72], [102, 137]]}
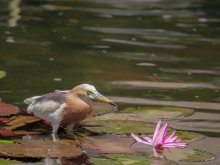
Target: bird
{"points": [[65, 108]]}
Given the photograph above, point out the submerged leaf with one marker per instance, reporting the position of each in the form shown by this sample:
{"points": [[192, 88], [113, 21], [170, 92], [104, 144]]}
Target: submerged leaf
{"points": [[39, 149], [8, 109], [20, 121], [128, 159], [191, 155], [101, 109], [2, 74]]}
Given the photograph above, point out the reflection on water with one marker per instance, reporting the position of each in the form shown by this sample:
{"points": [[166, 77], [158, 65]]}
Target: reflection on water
{"points": [[14, 8], [157, 52]]}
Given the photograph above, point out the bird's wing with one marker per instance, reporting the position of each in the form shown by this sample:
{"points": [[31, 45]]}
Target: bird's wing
{"points": [[45, 107], [47, 103]]}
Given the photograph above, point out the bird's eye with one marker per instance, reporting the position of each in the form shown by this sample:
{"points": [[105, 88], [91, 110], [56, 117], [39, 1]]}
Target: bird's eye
{"points": [[89, 92]]}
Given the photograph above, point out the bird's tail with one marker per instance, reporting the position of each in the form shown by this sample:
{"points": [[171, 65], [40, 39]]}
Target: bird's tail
{"points": [[30, 100]]}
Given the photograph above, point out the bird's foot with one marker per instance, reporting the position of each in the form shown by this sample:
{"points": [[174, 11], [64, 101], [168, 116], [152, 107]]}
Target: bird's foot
{"points": [[72, 136]]}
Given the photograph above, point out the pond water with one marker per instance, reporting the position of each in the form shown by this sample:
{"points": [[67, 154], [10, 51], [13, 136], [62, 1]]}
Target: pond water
{"points": [[137, 52]]}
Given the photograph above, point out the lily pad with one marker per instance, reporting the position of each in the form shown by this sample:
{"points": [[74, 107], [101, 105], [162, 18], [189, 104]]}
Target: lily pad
{"points": [[128, 159], [24, 132], [6, 133], [8, 109], [147, 113], [112, 144], [10, 162], [2, 74], [8, 141], [120, 127], [163, 111], [21, 121], [39, 149], [4, 119], [138, 127], [191, 155], [189, 136]]}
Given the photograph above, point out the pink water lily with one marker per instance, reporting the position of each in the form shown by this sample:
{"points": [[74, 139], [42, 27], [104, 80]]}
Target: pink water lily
{"points": [[160, 138]]}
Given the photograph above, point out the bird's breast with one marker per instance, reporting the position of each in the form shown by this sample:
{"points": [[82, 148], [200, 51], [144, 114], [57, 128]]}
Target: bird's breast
{"points": [[76, 111]]}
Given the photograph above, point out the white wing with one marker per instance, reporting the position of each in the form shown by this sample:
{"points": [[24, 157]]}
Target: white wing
{"points": [[45, 107]]}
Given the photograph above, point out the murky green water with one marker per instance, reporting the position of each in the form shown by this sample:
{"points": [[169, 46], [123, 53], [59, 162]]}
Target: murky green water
{"points": [[161, 52]]}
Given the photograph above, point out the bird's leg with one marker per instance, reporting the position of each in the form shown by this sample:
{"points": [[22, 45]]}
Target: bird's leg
{"points": [[69, 129], [55, 128]]}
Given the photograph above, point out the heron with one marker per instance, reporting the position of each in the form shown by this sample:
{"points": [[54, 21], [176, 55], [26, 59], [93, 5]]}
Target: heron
{"points": [[65, 108]]}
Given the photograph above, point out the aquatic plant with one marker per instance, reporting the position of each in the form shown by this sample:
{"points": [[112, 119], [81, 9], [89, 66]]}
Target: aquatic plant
{"points": [[160, 138]]}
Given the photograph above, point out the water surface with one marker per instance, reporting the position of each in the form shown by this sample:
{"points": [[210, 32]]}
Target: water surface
{"points": [[161, 50]]}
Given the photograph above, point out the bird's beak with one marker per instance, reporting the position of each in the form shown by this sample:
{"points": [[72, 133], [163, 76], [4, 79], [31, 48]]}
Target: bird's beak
{"points": [[99, 97]]}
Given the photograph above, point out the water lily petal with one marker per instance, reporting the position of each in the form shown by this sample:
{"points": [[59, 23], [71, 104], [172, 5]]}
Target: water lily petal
{"points": [[160, 137], [169, 137], [147, 139], [174, 145], [156, 130], [173, 139], [139, 140]]}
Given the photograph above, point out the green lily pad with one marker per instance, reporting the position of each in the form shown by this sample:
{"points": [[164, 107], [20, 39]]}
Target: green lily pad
{"points": [[2, 74], [128, 159], [138, 127], [160, 111], [147, 113], [120, 127], [9, 162], [191, 155], [6, 141], [188, 136]]}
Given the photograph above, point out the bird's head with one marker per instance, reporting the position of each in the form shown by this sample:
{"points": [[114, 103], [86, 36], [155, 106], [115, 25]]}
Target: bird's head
{"points": [[91, 91]]}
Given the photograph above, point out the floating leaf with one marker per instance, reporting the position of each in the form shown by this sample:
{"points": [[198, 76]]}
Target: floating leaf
{"points": [[6, 141], [24, 132], [4, 119], [120, 127], [2, 74], [108, 144], [128, 159], [39, 149], [6, 133], [138, 127], [8, 109], [147, 113], [20, 121], [191, 155], [10, 162], [189, 136], [163, 111]]}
